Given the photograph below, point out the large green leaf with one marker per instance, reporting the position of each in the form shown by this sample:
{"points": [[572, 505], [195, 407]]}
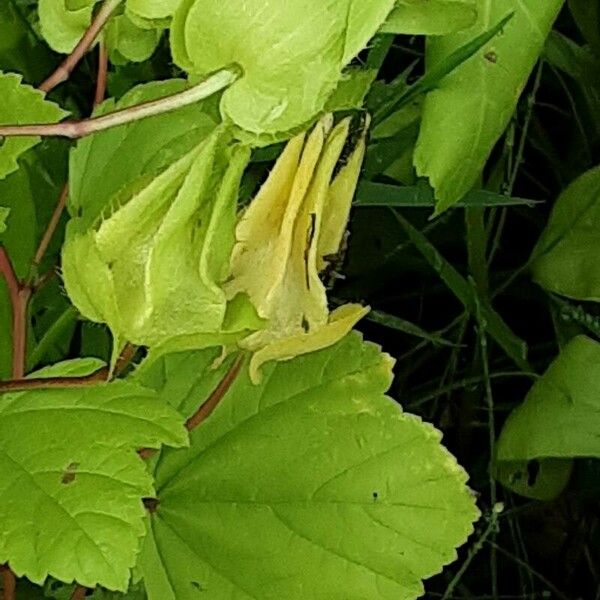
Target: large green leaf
{"points": [[558, 421], [62, 28], [72, 483], [463, 119], [102, 165], [313, 484], [431, 17], [560, 417], [292, 53], [21, 104], [565, 259]]}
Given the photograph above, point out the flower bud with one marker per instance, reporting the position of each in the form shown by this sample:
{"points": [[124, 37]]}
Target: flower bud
{"points": [[152, 269]]}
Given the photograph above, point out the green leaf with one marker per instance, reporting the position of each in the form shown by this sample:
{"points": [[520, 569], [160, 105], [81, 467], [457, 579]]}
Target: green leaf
{"points": [[20, 49], [62, 26], [514, 347], [72, 482], [19, 239], [128, 42], [587, 17], [565, 259], [560, 417], [401, 94], [158, 11], [284, 88], [539, 479], [351, 90], [463, 119], [385, 194], [104, 164], [21, 104], [431, 17], [291, 489]]}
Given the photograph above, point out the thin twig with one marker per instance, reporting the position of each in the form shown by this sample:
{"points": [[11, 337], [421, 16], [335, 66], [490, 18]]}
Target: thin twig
{"points": [[51, 228], [473, 552], [217, 395], [42, 383], [78, 129], [209, 405], [7, 271], [19, 298], [535, 573], [102, 74], [63, 72]]}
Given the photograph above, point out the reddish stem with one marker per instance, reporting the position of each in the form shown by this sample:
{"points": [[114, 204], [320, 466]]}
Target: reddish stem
{"points": [[79, 593], [102, 74], [52, 225], [209, 405], [9, 591], [217, 395], [63, 72]]}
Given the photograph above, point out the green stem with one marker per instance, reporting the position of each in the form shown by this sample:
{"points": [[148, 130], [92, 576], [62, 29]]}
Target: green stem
{"points": [[78, 129]]}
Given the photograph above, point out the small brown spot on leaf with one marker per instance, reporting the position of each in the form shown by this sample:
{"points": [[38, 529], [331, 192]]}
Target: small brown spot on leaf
{"points": [[491, 57], [69, 473]]}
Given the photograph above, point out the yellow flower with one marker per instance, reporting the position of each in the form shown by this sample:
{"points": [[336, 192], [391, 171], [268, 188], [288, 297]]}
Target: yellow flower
{"points": [[284, 239]]}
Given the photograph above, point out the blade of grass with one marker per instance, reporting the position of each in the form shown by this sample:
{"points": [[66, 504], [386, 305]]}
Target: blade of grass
{"points": [[512, 345], [432, 78], [393, 322], [422, 196]]}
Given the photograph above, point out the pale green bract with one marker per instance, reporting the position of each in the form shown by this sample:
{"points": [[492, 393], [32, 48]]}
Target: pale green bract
{"points": [[293, 54], [313, 484], [152, 269], [431, 17], [72, 483], [565, 259], [560, 417], [108, 163], [22, 104], [463, 119]]}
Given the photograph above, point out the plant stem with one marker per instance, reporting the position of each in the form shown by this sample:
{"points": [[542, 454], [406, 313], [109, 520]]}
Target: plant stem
{"points": [[79, 593], [9, 587], [42, 383], [19, 297], [216, 396], [102, 74], [63, 72], [209, 405], [50, 229], [78, 129], [19, 325]]}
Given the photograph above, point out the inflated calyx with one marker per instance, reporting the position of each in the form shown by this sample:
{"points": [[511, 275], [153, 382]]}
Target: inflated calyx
{"points": [[152, 269]]}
